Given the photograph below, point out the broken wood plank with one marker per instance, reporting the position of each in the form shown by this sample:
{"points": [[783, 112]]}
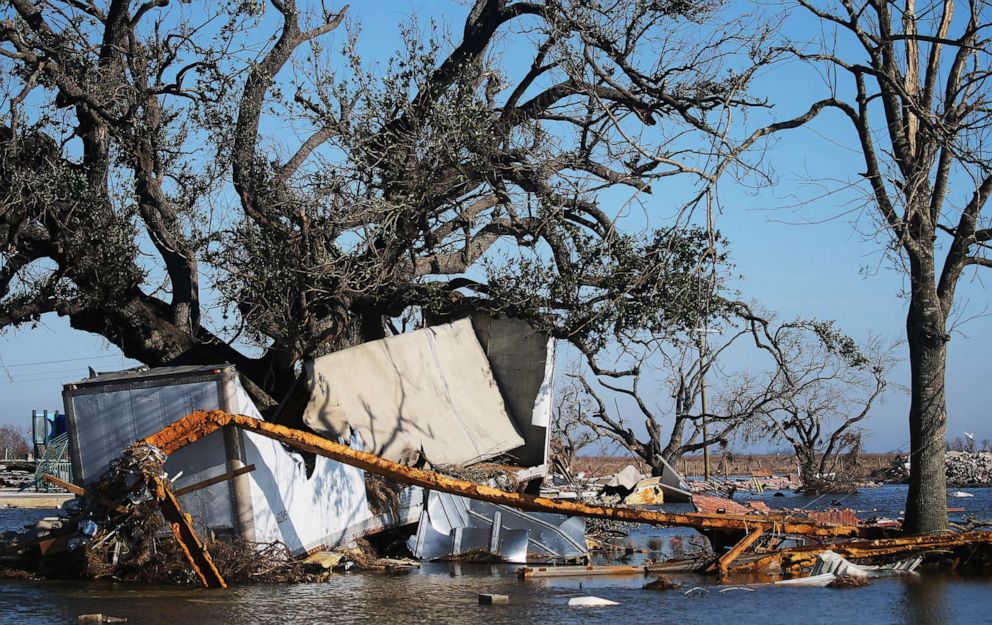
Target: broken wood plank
{"points": [[529, 572], [223, 477], [69, 486], [79, 491], [196, 425]]}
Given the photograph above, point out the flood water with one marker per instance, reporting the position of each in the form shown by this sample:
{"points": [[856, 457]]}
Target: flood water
{"points": [[447, 593]]}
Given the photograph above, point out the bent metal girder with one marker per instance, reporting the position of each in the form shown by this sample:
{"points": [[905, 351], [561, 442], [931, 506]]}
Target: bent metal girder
{"points": [[199, 424], [795, 558], [196, 425], [182, 528]]}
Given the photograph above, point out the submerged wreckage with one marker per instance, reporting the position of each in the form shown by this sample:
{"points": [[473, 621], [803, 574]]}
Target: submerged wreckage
{"points": [[442, 432], [473, 394]]}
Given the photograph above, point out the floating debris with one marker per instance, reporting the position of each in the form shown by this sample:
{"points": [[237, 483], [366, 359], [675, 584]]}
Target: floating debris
{"points": [[590, 602]]}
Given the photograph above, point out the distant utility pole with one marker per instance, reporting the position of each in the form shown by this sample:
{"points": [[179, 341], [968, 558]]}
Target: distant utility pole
{"points": [[701, 337]]}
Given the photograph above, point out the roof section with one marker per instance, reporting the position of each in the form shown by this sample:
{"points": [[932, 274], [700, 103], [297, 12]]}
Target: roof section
{"points": [[431, 390], [144, 373]]}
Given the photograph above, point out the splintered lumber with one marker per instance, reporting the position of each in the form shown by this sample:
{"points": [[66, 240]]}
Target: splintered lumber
{"points": [[182, 528], [199, 424], [79, 491], [528, 572], [223, 477], [726, 559]]}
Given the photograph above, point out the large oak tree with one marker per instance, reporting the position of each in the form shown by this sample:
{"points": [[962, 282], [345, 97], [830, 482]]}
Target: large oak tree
{"points": [[232, 182]]}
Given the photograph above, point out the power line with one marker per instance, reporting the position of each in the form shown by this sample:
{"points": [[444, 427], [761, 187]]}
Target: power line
{"points": [[29, 380], [51, 362], [6, 371], [46, 372]]}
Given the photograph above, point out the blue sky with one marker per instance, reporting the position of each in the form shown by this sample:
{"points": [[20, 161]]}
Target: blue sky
{"points": [[827, 270]]}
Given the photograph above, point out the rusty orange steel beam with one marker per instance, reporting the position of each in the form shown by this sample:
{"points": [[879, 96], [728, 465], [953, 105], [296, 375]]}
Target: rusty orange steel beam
{"points": [[906, 546], [889, 546], [196, 425], [726, 559], [182, 527]]}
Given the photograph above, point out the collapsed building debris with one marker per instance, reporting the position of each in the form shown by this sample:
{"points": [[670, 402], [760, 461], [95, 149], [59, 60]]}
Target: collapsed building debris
{"points": [[198, 425], [264, 495], [451, 396], [628, 486], [16, 473], [457, 397]]}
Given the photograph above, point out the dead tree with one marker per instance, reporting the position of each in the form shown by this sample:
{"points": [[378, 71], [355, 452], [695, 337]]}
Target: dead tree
{"points": [[677, 366], [13, 445], [912, 89], [570, 432], [145, 171], [817, 389]]}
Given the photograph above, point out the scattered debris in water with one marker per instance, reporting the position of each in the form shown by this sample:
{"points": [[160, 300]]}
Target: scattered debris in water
{"points": [[662, 582]]}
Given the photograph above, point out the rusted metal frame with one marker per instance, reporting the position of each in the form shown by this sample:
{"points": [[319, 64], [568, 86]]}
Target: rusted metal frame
{"points": [[888, 546], [794, 557], [182, 527], [197, 425], [223, 477], [723, 564]]}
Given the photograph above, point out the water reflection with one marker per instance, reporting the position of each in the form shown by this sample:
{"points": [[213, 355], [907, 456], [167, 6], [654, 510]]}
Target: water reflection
{"points": [[448, 593], [444, 593], [925, 600]]}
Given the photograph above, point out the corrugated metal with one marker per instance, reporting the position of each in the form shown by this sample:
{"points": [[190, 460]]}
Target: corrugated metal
{"points": [[102, 424], [453, 525]]}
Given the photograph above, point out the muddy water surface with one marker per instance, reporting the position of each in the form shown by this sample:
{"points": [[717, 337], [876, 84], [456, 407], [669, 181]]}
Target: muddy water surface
{"points": [[447, 593]]}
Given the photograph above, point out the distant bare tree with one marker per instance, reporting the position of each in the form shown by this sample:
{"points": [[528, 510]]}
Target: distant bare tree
{"points": [[678, 365], [959, 443], [13, 443], [820, 385], [570, 432]]}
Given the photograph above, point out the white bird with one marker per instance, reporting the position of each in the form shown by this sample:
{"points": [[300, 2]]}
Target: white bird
{"points": [[969, 435]]}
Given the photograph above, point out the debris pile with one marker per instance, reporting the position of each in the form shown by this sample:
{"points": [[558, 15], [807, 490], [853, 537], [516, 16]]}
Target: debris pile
{"points": [[629, 486], [963, 469], [497, 476], [119, 533], [16, 473], [969, 469]]}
